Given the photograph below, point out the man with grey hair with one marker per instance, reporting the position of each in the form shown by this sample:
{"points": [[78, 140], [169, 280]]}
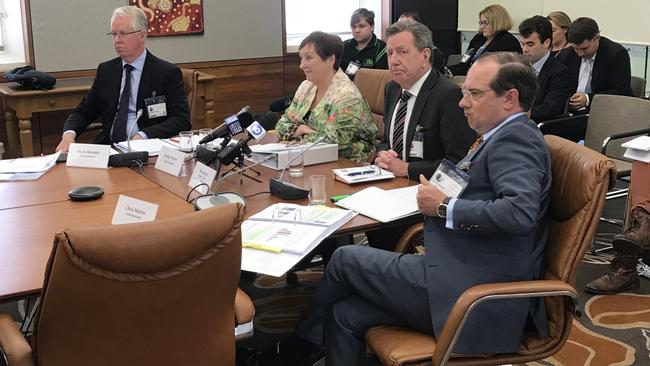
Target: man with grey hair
{"points": [[494, 231], [423, 123], [134, 83]]}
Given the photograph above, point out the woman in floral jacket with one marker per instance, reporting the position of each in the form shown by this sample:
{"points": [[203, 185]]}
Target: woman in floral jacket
{"points": [[328, 104]]}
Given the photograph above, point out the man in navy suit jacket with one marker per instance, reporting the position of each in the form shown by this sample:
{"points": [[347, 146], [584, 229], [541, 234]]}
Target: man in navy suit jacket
{"points": [[156, 88], [495, 231], [554, 84], [597, 65]]}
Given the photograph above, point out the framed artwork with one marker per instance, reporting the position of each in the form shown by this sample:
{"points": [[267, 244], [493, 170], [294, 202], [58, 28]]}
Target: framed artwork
{"points": [[172, 17]]}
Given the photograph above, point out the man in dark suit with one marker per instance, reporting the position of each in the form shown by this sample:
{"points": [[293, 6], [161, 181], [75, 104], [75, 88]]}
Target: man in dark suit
{"points": [[133, 82], [597, 65], [495, 231], [554, 84], [422, 121]]}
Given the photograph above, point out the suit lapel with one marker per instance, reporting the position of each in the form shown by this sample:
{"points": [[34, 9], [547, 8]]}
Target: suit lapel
{"points": [[145, 82], [393, 98], [114, 90], [420, 102]]}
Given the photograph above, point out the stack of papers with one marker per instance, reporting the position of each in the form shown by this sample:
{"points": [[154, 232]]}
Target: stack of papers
{"points": [[381, 205], [277, 238], [26, 168], [362, 174], [638, 149], [152, 146]]}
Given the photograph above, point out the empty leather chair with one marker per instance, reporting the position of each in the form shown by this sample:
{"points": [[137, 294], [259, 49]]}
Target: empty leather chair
{"points": [[156, 293]]}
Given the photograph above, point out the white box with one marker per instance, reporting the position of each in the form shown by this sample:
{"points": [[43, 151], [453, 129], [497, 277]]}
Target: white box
{"points": [[321, 153]]}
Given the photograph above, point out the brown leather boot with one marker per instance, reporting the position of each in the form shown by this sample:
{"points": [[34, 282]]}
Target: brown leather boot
{"points": [[622, 276], [638, 228]]}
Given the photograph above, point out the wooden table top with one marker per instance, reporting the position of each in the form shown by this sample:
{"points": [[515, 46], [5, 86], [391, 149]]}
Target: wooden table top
{"points": [[28, 233], [55, 184], [179, 186]]}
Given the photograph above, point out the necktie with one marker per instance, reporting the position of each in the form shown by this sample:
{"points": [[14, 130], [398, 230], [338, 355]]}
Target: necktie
{"points": [[475, 145], [119, 125], [400, 118], [584, 82]]}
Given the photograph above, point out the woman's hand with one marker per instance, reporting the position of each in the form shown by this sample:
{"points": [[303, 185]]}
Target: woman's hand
{"points": [[302, 130]]}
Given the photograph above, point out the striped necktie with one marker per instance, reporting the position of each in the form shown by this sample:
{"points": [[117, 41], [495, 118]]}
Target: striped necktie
{"points": [[400, 118], [119, 125]]}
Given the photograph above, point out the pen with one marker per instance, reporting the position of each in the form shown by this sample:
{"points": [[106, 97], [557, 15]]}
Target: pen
{"points": [[338, 198], [361, 173]]}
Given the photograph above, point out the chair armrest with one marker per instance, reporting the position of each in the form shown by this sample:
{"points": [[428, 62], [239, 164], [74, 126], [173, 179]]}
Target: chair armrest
{"points": [[618, 136], [473, 296], [12, 343], [564, 119], [405, 243]]}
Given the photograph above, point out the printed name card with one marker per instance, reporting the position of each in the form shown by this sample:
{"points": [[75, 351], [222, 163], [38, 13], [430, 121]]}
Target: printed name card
{"points": [[202, 174], [170, 161], [88, 155], [131, 210]]}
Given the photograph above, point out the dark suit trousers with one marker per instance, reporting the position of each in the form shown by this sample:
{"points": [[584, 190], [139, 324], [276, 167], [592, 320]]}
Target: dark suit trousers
{"points": [[364, 287]]}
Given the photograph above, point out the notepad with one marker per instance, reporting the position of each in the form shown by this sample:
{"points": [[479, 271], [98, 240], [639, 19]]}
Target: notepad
{"points": [[362, 174], [383, 205], [152, 146], [638, 149]]}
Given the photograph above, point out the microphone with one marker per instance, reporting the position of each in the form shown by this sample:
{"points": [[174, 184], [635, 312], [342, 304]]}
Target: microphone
{"points": [[287, 190], [281, 104], [129, 158], [228, 127], [256, 131]]}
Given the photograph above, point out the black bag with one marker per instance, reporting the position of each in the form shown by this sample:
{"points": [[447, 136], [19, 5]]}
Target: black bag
{"points": [[30, 78]]}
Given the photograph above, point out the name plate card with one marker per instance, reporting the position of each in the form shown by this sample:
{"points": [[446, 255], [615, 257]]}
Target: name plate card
{"points": [[88, 156], [170, 161], [131, 210], [202, 174]]}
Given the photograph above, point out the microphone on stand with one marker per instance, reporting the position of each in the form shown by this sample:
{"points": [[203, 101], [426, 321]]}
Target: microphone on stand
{"points": [[288, 190], [255, 131], [129, 158]]}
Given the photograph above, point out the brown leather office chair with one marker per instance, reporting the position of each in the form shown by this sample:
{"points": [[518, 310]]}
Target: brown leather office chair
{"points": [[371, 84], [157, 293], [581, 178], [190, 82]]}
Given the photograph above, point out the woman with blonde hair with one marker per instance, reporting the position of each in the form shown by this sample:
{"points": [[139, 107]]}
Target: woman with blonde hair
{"points": [[493, 36], [560, 23]]}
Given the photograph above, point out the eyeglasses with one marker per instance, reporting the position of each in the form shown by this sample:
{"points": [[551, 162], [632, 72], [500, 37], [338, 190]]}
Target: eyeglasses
{"points": [[122, 34], [483, 23], [474, 93]]}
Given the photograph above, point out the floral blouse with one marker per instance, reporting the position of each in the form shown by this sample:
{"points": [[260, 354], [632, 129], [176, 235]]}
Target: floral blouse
{"points": [[342, 117]]}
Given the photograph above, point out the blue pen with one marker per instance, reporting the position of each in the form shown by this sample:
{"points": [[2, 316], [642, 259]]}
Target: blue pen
{"points": [[361, 173]]}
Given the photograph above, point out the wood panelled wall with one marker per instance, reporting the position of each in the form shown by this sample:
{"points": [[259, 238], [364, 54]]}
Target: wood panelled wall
{"points": [[254, 82]]}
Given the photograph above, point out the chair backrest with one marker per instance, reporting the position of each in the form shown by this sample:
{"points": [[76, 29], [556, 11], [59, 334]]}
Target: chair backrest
{"points": [[637, 85], [612, 114], [581, 178], [371, 83], [454, 59], [458, 79], [156, 293], [190, 81]]}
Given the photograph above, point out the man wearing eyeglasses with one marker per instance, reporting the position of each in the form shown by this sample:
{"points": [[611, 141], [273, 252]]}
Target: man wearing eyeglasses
{"points": [[135, 82], [495, 231], [597, 65]]}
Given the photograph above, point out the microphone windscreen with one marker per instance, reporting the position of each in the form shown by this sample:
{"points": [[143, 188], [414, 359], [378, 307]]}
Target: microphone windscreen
{"points": [[281, 104], [245, 119], [268, 120]]}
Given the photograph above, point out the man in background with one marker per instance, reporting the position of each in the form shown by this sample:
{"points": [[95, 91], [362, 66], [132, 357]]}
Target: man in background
{"points": [[552, 75], [134, 82]]}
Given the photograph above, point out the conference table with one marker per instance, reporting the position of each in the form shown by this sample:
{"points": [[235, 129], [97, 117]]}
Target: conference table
{"points": [[31, 212], [20, 103]]}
